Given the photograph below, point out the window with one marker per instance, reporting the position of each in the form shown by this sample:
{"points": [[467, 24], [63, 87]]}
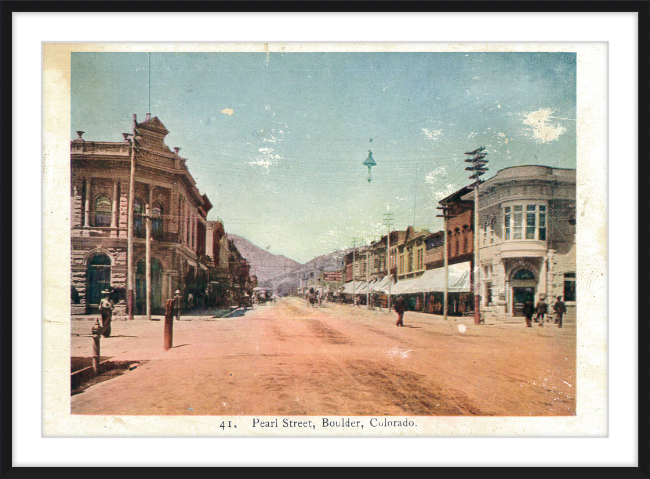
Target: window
{"points": [[529, 224], [420, 259], [517, 222], [542, 223], [524, 274], [410, 261], [103, 211], [401, 263], [569, 286], [492, 230], [138, 219], [485, 234], [157, 222]]}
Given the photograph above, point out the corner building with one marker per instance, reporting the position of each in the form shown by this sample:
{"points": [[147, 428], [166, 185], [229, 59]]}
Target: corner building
{"points": [[527, 218], [99, 202]]}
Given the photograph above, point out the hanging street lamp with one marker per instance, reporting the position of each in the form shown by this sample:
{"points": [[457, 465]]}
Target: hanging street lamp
{"points": [[370, 162]]}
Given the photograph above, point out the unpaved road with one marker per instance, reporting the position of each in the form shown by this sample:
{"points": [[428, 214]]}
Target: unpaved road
{"points": [[290, 359]]}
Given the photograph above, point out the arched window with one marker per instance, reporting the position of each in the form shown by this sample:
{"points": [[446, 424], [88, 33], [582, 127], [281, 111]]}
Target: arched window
{"points": [[103, 211], [457, 250], [157, 222], [492, 234], [524, 274], [138, 219], [485, 232]]}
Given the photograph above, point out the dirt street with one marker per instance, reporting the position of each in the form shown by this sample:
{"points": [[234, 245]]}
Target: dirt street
{"points": [[291, 359]]}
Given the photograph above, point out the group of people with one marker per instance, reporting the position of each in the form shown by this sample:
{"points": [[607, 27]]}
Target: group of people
{"points": [[314, 297], [540, 311]]}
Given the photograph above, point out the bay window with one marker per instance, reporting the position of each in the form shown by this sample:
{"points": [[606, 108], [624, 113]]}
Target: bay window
{"points": [[525, 221]]}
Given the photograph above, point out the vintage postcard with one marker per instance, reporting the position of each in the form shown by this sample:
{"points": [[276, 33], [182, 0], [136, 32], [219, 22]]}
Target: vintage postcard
{"points": [[327, 240]]}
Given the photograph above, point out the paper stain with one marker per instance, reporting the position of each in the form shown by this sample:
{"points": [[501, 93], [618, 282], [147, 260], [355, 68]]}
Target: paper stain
{"points": [[462, 328], [542, 130], [228, 111], [396, 352]]}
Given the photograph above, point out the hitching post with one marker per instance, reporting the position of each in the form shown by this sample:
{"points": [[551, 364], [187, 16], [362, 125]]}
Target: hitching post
{"points": [[96, 332], [169, 324]]}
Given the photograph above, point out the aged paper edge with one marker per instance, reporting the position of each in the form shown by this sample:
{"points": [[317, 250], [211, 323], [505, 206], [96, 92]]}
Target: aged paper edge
{"points": [[591, 133]]}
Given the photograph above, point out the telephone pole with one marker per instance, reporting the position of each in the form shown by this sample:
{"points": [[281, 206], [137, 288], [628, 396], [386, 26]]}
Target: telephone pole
{"points": [[354, 279], [388, 221], [445, 214], [478, 168], [129, 226]]}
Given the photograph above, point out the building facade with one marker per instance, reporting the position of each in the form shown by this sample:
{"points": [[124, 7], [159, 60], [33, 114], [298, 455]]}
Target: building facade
{"points": [[527, 238], [99, 206]]}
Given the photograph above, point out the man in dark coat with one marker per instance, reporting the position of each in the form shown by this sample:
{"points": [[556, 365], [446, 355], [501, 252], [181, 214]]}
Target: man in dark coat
{"points": [[529, 310], [400, 307], [560, 308], [542, 309]]}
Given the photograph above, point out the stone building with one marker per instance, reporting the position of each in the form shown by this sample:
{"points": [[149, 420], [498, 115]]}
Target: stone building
{"points": [[526, 238], [99, 202]]}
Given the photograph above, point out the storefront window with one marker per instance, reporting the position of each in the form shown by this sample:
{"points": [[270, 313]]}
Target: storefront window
{"points": [[569, 286]]}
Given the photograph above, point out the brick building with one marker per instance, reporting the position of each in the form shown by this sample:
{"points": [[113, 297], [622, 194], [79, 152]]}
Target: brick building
{"points": [[99, 202]]}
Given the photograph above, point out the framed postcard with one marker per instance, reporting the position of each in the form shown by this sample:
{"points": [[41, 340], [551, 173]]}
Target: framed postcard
{"points": [[335, 238]]}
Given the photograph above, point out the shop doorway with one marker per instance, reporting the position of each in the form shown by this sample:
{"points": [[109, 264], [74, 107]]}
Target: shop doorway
{"points": [[520, 296], [98, 276]]}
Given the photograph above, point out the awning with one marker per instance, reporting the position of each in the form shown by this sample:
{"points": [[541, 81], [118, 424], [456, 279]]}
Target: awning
{"points": [[433, 280], [381, 286], [347, 289]]}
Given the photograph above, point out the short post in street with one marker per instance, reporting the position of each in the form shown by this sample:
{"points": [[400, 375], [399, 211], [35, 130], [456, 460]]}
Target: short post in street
{"points": [[169, 324], [96, 332]]}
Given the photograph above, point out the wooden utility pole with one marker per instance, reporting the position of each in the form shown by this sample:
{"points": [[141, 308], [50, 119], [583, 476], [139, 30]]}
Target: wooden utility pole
{"points": [[354, 279], [148, 261], [129, 228], [168, 336], [388, 221], [445, 301], [478, 168]]}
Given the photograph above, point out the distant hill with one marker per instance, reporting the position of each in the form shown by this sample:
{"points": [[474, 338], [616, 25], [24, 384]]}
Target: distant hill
{"points": [[264, 265], [327, 262]]}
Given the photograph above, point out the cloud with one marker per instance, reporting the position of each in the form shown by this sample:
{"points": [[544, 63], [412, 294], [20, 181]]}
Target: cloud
{"points": [[541, 129], [228, 111], [431, 134]]}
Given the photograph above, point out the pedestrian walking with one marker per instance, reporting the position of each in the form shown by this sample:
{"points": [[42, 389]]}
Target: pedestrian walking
{"points": [[106, 310], [178, 303], [560, 308], [190, 301], [400, 307], [529, 310], [542, 309]]}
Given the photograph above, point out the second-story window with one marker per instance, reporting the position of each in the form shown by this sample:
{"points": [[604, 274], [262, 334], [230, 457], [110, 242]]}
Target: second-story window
{"points": [[410, 261], [492, 234], [526, 222], [103, 211], [138, 219], [157, 222]]}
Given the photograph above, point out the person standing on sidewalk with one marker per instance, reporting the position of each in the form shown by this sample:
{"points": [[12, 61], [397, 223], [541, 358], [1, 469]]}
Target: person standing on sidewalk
{"points": [[542, 309], [560, 308], [178, 303], [106, 310], [400, 307], [529, 310]]}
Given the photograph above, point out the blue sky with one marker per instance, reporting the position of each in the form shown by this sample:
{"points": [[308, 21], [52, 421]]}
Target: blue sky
{"points": [[277, 143]]}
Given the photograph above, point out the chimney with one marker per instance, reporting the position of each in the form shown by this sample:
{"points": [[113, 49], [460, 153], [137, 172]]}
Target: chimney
{"points": [[126, 136], [148, 117], [177, 149], [80, 133]]}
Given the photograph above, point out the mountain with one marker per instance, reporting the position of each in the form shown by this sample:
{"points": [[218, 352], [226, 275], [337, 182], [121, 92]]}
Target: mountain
{"points": [[291, 279], [264, 265]]}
